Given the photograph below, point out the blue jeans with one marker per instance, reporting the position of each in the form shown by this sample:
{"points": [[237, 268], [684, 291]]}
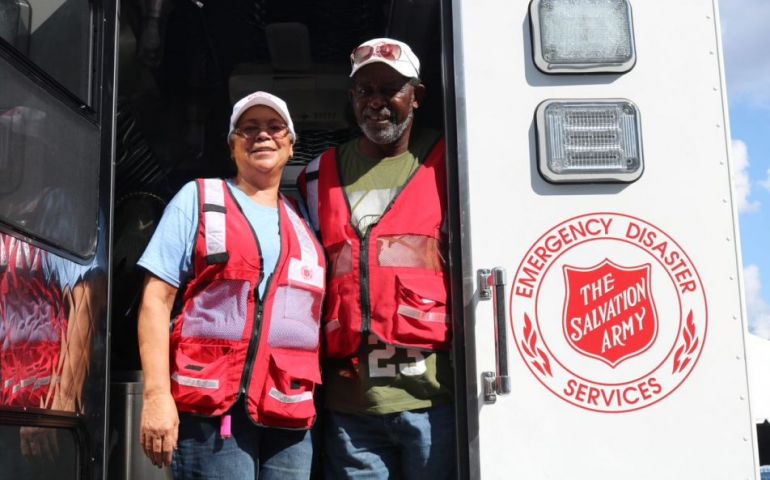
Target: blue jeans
{"points": [[251, 453], [764, 472], [412, 445]]}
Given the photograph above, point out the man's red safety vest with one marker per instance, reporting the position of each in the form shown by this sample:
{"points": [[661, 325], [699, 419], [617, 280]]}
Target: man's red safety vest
{"points": [[33, 321], [393, 281], [228, 342]]}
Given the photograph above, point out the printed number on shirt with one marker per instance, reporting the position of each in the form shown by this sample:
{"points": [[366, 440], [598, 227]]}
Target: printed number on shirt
{"points": [[379, 358]]}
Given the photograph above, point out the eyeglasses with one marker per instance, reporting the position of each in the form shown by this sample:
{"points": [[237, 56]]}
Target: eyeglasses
{"points": [[366, 90], [276, 131], [388, 51]]}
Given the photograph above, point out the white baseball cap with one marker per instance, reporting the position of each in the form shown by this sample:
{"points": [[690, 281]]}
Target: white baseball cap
{"points": [[266, 99], [394, 53]]}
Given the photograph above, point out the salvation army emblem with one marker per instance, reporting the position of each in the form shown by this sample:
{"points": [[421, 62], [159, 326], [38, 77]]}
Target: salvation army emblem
{"points": [[608, 312], [307, 272]]}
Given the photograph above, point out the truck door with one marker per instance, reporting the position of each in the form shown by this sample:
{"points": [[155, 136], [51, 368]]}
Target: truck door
{"points": [[601, 271], [57, 71]]}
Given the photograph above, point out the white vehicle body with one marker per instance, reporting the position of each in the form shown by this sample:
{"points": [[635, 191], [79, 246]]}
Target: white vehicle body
{"points": [[607, 343], [671, 403]]}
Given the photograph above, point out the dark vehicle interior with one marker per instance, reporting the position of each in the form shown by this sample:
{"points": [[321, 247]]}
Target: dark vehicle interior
{"points": [[184, 63]]}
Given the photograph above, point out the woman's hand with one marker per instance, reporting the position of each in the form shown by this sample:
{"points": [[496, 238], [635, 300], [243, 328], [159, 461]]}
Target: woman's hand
{"points": [[159, 427], [160, 420]]}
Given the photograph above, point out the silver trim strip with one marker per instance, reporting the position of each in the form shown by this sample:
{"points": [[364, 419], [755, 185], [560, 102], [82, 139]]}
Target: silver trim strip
{"points": [[207, 383], [286, 398]]}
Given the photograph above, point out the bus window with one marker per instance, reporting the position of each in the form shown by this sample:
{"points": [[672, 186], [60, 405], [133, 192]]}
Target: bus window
{"points": [[49, 168], [55, 35]]}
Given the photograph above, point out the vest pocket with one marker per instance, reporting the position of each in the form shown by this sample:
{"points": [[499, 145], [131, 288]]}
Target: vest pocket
{"points": [[338, 340], [199, 376], [295, 318], [340, 259], [287, 399], [421, 317]]}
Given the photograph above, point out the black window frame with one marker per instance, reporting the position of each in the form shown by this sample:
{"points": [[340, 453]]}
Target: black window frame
{"points": [[32, 70]]}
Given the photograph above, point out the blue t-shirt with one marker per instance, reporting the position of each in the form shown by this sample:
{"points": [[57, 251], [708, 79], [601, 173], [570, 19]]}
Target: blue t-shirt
{"points": [[168, 256]]}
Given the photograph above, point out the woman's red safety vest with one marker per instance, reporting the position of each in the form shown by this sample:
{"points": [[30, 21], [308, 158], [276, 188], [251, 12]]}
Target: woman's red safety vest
{"points": [[393, 281], [226, 341]]}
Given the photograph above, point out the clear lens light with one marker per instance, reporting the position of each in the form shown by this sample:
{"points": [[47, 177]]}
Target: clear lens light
{"points": [[588, 35], [592, 141]]}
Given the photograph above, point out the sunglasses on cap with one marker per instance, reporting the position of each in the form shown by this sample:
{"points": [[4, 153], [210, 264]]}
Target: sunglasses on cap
{"points": [[387, 51]]}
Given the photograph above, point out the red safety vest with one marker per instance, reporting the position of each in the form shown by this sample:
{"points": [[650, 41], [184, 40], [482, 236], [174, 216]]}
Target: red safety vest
{"points": [[227, 342], [33, 321], [392, 282]]}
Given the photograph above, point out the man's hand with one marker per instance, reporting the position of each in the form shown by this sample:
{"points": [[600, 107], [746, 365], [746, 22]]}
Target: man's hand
{"points": [[159, 427]]}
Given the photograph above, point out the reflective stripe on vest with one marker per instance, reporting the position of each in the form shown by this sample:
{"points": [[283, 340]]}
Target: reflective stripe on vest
{"points": [[214, 210], [209, 383], [306, 270], [286, 398], [417, 314]]}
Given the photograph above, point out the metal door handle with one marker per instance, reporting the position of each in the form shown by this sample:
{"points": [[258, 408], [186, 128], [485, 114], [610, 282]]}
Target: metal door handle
{"points": [[492, 286]]}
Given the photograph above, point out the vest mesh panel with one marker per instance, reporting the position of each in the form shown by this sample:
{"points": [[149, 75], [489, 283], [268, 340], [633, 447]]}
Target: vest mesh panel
{"points": [[416, 251], [293, 323], [218, 311]]}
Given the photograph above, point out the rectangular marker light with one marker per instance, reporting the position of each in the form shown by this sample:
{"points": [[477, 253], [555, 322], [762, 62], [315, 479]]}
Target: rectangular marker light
{"points": [[582, 36], [589, 141]]}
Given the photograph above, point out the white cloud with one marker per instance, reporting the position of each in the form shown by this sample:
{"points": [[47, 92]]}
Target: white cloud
{"points": [[757, 308], [766, 182], [741, 180], [746, 37]]}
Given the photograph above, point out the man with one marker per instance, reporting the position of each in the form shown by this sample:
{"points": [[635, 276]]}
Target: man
{"points": [[378, 203]]}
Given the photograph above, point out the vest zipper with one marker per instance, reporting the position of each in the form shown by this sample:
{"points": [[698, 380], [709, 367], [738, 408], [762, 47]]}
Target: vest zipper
{"points": [[252, 350], [256, 328], [366, 307]]}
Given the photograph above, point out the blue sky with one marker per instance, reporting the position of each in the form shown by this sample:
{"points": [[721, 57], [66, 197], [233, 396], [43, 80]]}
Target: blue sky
{"points": [[746, 39]]}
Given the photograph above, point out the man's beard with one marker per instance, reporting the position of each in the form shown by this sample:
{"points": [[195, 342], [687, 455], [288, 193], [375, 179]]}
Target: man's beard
{"points": [[389, 134]]}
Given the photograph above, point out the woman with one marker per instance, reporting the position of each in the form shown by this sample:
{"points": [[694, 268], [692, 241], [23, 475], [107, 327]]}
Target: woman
{"points": [[228, 393]]}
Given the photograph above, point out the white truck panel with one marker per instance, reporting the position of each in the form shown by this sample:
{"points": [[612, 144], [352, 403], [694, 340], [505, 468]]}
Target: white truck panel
{"points": [[696, 422]]}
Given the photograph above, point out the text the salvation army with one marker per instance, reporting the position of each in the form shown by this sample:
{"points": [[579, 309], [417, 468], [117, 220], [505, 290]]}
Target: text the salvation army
{"points": [[618, 304]]}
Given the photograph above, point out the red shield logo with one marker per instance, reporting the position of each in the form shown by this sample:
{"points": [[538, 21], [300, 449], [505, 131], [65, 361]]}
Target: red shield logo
{"points": [[609, 312], [306, 272]]}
